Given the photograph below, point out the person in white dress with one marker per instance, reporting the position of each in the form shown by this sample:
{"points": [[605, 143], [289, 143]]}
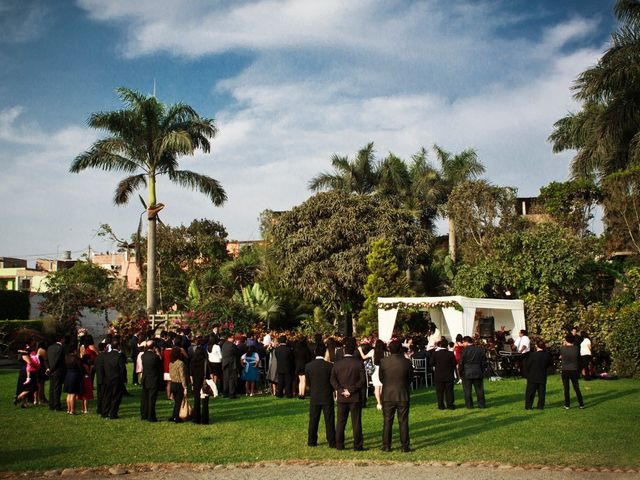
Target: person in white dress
{"points": [[375, 355]]}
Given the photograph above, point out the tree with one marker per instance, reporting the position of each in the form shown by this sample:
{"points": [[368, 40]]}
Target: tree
{"points": [[606, 130], [384, 280], [145, 140], [622, 201], [323, 243], [570, 203], [455, 169], [358, 176], [258, 301]]}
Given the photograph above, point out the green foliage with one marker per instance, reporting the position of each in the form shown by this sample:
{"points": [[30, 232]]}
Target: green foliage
{"points": [[384, 280], [622, 203], [570, 203], [14, 305], [259, 302], [623, 341], [243, 270], [316, 323], [322, 244], [549, 316]]}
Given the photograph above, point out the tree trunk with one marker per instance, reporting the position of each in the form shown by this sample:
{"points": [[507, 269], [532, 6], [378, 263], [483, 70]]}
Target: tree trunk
{"points": [[452, 241], [151, 267]]}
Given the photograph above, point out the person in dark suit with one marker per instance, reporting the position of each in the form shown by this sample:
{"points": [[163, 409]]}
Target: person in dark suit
{"points": [[537, 365], [56, 370], [230, 367], [444, 364], [199, 372], [98, 366], [115, 376], [318, 378], [135, 350], [473, 364], [395, 374], [285, 367], [151, 381], [348, 379]]}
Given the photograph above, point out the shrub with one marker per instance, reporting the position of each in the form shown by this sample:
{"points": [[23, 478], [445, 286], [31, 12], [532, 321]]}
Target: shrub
{"points": [[623, 341], [14, 305]]}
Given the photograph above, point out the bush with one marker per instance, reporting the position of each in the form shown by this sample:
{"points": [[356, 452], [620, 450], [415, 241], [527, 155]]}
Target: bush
{"points": [[14, 305], [623, 341]]}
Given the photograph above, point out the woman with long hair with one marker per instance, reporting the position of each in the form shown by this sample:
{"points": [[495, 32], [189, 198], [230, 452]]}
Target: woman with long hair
{"points": [[178, 380], [301, 356], [375, 355], [250, 362], [73, 378]]}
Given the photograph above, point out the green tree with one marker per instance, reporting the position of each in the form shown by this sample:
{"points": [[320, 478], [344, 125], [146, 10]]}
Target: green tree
{"points": [[323, 243], [622, 202], [357, 176], [259, 302], [145, 139], [571, 203], [384, 280]]}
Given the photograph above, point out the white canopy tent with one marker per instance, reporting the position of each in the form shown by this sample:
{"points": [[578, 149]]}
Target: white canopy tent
{"points": [[450, 321]]}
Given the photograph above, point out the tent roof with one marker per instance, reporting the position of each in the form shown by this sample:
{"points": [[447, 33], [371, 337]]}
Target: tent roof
{"points": [[468, 302]]}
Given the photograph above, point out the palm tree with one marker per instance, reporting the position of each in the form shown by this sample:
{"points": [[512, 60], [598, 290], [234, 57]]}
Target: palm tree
{"points": [[145, 139], [606, 131], [455, 169], [358, 176]]}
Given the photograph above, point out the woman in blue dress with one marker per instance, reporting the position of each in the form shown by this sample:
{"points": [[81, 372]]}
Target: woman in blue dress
{"points": [[250, 362]]}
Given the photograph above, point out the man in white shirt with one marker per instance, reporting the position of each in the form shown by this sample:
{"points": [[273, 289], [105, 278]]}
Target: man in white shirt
{"points": [[523, 347]]}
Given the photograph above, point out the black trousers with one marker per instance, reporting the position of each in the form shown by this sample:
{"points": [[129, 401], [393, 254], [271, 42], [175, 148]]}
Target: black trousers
{"points": [[112, 398], [177, 392], [229, 381], [99, 398], [530, 393], [134, 375], [571, 375], [56, 381], [148, 400], [444, 390], [389, 410], [478, 385], [285, 385], [329, 423], [200, 407], [344, 410]]}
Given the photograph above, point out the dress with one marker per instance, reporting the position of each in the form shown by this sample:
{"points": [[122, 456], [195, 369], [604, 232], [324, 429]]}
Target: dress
{"points": [[375, 376], [249, 370], [87, 384], [73, 377]]}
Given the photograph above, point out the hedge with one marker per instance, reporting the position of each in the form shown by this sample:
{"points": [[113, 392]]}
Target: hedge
{"points": [[14, 304]]}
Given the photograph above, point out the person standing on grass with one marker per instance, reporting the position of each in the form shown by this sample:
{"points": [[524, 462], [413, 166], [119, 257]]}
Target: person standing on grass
{"points": [[178, 375], [151, 381], [473, 364], [284, 367], [570, 359], [230, 360], [348, 379], [199, 373], [444, 364], [56, 371], [115, 376], [538, 364], [395, 374], [318, 379], [98, 368], [586, 356], [523, 347]]}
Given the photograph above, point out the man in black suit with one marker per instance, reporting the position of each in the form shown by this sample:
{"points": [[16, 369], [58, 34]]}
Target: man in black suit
{"points": [[133, 347], [537, 365], [318, 377], [473, 364], [444, 363], [98, 366], [230, 360], [151, 381], [348, 379], [115, 376], [395, 374], [285, 367], [56, 370]]}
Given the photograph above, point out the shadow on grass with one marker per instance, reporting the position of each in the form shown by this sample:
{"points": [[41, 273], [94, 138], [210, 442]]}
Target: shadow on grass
{"points": [[12, 456]]}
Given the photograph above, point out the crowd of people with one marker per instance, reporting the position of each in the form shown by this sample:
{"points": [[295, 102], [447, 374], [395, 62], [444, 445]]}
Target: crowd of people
{"points": [[337, 374]]}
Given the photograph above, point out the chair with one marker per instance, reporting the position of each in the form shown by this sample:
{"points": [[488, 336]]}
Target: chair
{"points": [[420, 372]]}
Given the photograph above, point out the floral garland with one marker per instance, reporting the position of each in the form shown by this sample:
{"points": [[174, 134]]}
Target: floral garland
{"points": [[419, 305]]}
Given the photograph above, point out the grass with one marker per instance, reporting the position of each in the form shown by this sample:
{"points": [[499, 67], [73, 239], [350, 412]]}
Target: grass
{"points": [[269, 429]]}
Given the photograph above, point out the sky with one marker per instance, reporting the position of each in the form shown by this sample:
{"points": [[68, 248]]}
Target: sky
{"points": [[289, 83]]}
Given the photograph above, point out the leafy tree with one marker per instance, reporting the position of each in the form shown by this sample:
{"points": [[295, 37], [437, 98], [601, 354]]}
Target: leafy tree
{"points": [[85, 285], [384, 280], [357, 176], [145, 140], [259, 302], [622, 201], [570, 203], [323, 243]]}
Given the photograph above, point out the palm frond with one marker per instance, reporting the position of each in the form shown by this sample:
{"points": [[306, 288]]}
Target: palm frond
{"points": [[202, 183], [104, 160], [127, 186]]}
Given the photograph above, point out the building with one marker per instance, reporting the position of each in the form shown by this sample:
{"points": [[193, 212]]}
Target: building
{"points": [[122, 264], [15, 275]]}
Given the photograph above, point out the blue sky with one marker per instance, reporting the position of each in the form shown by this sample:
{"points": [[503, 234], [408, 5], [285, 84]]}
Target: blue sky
{"points": [[289, 83]]}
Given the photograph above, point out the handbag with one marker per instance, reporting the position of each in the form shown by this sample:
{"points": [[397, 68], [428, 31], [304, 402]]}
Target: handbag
{"points": [[209, 388], [185, 410]]}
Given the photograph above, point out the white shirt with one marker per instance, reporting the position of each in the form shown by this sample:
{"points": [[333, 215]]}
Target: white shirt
{"points": [[585, 347], [523, 342]]}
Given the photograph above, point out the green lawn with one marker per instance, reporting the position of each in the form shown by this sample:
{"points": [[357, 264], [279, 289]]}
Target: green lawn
{"points": [[267, 429]]}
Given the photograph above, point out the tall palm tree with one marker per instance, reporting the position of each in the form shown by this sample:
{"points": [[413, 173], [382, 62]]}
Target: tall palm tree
{"points": [[358, 176], [606, 131], [145, 139], [455, 169], [427, 189]]}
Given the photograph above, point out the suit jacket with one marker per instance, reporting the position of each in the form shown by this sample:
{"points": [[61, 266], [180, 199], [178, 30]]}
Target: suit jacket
{"points": [[152, 370], [444, 363], [115, 368], [473, 362], [284, 356], [133, 346], [230, 358], [318, 374], [395, 374], [537, 364], [55, 359], [98, 365], [349, 374]]}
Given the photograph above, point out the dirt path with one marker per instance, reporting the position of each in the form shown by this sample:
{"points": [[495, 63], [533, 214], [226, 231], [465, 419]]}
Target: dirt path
{"points": [[334, 471]]}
